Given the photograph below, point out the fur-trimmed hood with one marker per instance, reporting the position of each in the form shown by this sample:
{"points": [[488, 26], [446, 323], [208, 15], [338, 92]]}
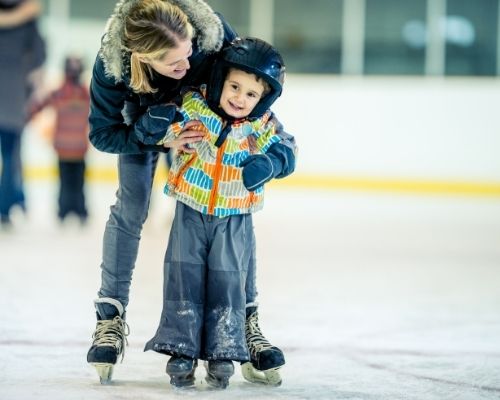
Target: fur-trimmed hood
{"points": [[208, 31]]}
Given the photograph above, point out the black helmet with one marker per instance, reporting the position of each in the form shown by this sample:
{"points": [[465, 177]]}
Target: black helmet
{"points": [[254, 56]]}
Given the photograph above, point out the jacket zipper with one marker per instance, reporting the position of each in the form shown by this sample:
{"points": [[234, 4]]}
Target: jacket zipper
{"points": [[217, 173]]}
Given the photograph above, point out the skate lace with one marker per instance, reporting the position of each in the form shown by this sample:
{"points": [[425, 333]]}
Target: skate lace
{"points": [[255, 339], [112, 332]]}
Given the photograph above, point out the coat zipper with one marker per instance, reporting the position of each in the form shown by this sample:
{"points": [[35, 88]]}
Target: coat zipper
{"points": [[217, 173]]}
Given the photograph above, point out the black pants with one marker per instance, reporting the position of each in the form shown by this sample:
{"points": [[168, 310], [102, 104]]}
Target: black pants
{"points": [[71, 192]]}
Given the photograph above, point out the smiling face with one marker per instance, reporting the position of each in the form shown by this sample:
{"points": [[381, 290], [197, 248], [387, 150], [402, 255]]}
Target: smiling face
{"points": [[241, 93], [174, 64]]}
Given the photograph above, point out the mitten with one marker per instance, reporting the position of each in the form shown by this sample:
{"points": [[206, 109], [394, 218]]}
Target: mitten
{"points": [[152, 126], [259, 169]]}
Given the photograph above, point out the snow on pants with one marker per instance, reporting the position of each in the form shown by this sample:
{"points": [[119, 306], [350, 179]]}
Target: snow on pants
{"points": [[204, 286], [123, 229]]}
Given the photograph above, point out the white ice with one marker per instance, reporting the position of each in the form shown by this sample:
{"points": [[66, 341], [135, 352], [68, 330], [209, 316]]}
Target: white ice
{"points": [[371, 296]]}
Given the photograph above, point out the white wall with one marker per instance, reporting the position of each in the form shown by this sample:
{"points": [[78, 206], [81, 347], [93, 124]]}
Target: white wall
{"points": [[413, 128], [382, 128], [417, 128]]}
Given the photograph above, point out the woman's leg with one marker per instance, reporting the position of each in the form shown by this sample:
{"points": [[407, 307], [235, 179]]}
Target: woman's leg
{"points": [[123, 229], [11, 181], [120, 247]]}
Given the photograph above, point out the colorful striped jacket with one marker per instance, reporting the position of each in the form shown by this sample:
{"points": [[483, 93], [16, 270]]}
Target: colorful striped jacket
{"points": [[210, 179]]}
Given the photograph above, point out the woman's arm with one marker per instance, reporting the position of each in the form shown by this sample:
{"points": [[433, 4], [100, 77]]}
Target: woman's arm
{"points": [[26, 11], [108, 130], [110, 133], [187, 129]]}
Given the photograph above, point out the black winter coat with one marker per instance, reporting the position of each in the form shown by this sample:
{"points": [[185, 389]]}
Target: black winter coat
{"points": [[114, 107]]}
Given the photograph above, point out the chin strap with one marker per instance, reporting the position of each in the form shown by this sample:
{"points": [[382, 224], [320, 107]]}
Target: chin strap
{"points": [[223, 135]]}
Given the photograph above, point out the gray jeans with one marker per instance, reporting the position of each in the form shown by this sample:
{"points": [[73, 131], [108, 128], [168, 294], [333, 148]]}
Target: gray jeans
{"points": [[123, 229]]}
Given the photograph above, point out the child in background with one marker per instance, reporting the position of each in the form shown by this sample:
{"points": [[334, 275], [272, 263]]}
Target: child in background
{"points": [[217, 187], [71, 105]]}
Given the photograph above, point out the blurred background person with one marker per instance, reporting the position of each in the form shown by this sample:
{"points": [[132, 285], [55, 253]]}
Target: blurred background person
{"points": [[22, 52], [71, 103]]}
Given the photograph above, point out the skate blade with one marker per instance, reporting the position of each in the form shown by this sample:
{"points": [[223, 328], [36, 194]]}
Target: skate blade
{"points": [[181, 379], [182, 383], [219, 378], [269, 377], [105, 372], [217, 383]]}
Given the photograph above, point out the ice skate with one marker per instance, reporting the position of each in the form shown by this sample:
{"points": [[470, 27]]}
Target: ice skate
{"points": [[218, 373], [109, 338], [181, 371], [265, 359]]}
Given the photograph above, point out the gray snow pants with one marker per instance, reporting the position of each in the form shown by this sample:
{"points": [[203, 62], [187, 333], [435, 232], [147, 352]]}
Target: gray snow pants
{"points": [[204, 286], [123, 229]]}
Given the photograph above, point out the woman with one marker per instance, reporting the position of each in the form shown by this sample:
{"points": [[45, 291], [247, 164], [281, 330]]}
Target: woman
{"points": [[151, 49]]}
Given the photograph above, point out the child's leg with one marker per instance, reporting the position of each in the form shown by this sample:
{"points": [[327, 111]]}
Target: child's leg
{"points": [[228, 260], [80, 206], [62, 201], [71, 197]]}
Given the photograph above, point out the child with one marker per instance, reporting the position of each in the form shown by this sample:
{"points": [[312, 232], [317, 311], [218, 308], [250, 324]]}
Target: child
{"points": [[217, 187], [71, 104]]}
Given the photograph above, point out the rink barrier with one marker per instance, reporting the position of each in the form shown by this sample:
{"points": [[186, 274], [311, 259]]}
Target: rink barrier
{"points": [[316, 182]]}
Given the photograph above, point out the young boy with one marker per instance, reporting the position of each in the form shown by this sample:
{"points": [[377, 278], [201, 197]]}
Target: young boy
{"points": [[71, 105], [217, 187]]}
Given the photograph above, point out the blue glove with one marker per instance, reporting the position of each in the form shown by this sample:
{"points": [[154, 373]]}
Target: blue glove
{"points": [[152, 126], [259, 169]]}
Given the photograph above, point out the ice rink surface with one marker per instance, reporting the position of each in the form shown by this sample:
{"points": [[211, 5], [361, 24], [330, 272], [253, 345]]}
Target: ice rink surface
{"points": [[371, 296]]}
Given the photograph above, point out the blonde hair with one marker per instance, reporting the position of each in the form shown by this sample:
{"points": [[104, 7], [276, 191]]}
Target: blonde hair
{"points": [[152, 27]]}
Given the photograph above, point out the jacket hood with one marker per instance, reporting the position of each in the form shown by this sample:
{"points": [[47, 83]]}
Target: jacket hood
{"points": [[208, 31]]}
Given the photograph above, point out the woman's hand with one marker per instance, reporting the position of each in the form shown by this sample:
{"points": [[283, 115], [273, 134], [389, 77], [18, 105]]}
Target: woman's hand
{"points": [[190, 134]]}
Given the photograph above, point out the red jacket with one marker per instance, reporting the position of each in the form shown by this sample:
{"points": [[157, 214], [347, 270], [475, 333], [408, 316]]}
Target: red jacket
{"points": [[71, 103]]}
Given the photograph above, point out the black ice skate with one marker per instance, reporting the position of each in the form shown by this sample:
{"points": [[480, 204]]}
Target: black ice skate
{"points": [[265, 359], [181, 371], [109, 338], [219, 372]]}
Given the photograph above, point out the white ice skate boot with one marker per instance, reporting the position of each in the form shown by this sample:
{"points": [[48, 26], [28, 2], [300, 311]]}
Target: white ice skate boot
{"points": [[265, 359], [109, 337]]}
